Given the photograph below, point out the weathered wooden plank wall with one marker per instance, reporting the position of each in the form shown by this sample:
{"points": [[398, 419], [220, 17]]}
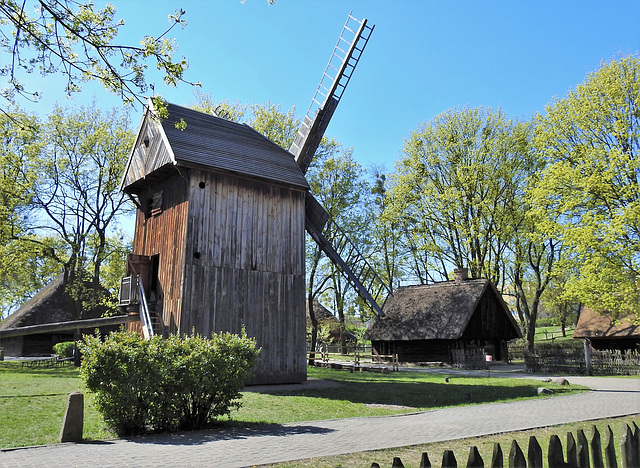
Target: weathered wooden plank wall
{"points": [[246, 268], [165, 234]]}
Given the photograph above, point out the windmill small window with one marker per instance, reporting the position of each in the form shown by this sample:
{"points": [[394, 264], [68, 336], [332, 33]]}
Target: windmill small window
{"points": [[154, 205]]}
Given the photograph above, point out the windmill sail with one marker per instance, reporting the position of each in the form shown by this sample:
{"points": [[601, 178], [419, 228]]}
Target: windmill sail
{"points": [[343, 252], [346, 54]]}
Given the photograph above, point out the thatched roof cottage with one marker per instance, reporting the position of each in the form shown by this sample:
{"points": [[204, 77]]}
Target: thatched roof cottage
{"points": [[428, 323]]}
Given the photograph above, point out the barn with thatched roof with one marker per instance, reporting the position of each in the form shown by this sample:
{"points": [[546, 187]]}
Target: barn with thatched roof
{"points": [[428, 323], [51, 305], [608, 332]]}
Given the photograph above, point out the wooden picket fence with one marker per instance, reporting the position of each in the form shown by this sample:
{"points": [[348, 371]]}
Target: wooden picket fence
{"points": [[572, 361], [581, 453]]}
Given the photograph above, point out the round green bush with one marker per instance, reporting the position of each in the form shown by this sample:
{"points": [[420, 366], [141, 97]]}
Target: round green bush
{"points": [[64, 349], [165, 385]]}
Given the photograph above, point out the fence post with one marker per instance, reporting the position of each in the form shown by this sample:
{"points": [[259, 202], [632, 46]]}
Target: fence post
{"points": [[572, 455], [596, 449], [583, 450], [449, 460], [610, 451], [587, 356], [534, 453], [497, 459], [555, 457], [375, 465], [397, 463], [516, 456], [474, 460], [628, 449], [425, 462], [636, 440]]}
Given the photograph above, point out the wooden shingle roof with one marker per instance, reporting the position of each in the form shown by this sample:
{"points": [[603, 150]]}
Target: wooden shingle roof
{"points": [[434, 311], [207, 142], [592, 324]]}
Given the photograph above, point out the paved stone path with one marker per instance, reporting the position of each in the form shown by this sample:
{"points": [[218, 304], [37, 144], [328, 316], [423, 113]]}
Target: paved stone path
{"points": [[278, 443]]}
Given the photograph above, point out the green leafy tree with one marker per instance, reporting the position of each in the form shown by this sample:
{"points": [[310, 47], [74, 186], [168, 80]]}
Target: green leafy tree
{"points": [[22, 270], [588, 195], [387, 250], [77, 40], [455, 193]]}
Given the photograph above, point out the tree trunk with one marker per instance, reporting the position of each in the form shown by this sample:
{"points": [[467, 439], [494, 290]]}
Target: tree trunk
{"points": [[314, 329]]}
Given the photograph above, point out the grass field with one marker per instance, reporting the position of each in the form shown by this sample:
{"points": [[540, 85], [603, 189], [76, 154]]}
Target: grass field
{"points": [[33, 400]]}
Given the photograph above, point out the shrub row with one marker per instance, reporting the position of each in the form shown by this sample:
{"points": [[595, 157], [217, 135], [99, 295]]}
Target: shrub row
{"points": [[166, 384]]}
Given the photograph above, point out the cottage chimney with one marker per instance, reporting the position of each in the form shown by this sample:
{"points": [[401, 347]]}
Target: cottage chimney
{"points": [[460, 274]]}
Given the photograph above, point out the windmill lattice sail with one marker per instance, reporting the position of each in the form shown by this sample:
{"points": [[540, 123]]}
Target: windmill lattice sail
{"points": [[346, 54], [342, 252]]}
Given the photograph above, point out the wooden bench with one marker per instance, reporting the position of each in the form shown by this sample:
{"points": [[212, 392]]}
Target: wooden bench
{"points": [[54, 361], [376, 358]]}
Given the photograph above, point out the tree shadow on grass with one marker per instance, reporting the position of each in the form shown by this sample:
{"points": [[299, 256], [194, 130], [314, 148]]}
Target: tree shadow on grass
{"points": [[420, 394]]}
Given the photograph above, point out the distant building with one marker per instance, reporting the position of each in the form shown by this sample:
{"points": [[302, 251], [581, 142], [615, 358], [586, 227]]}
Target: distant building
{"points": [[52, 304], [606, 332]]}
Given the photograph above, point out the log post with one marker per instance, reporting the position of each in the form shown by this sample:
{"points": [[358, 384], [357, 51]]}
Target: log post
{"points": [[583, 450], [555, 457], [628, 449], [449, 459], [424, 461], [587, 356], [397, 463], [610, 451], [572, 451]]}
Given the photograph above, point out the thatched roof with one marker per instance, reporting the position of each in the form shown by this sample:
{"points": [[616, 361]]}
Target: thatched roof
{"points": [[207, 142], [51, 304], [592, 324], [434, 311], [321, 312]]}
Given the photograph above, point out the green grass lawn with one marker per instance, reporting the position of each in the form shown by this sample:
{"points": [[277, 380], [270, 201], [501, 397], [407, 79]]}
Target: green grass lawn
{"points": [[33, 400]]}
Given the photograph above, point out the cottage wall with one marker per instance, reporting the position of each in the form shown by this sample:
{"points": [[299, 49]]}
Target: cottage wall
{"points": [[489, 321]]}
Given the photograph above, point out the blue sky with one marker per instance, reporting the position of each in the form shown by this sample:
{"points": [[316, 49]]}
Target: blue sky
{"points": [[424, 57]]}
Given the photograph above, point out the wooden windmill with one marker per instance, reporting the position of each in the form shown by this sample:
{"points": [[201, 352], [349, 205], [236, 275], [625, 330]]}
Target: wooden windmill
{"points": [[220, 225]]}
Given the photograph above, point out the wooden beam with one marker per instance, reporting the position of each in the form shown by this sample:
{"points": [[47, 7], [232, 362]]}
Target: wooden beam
{"points": [[72, 325]]}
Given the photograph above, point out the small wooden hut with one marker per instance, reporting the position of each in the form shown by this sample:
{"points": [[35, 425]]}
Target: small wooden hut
{"points": [[220, 232], [428, 323], [605, 331]]}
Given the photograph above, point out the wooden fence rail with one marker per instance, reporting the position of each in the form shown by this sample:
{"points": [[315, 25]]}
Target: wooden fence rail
{"points": [[581, 452]]}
